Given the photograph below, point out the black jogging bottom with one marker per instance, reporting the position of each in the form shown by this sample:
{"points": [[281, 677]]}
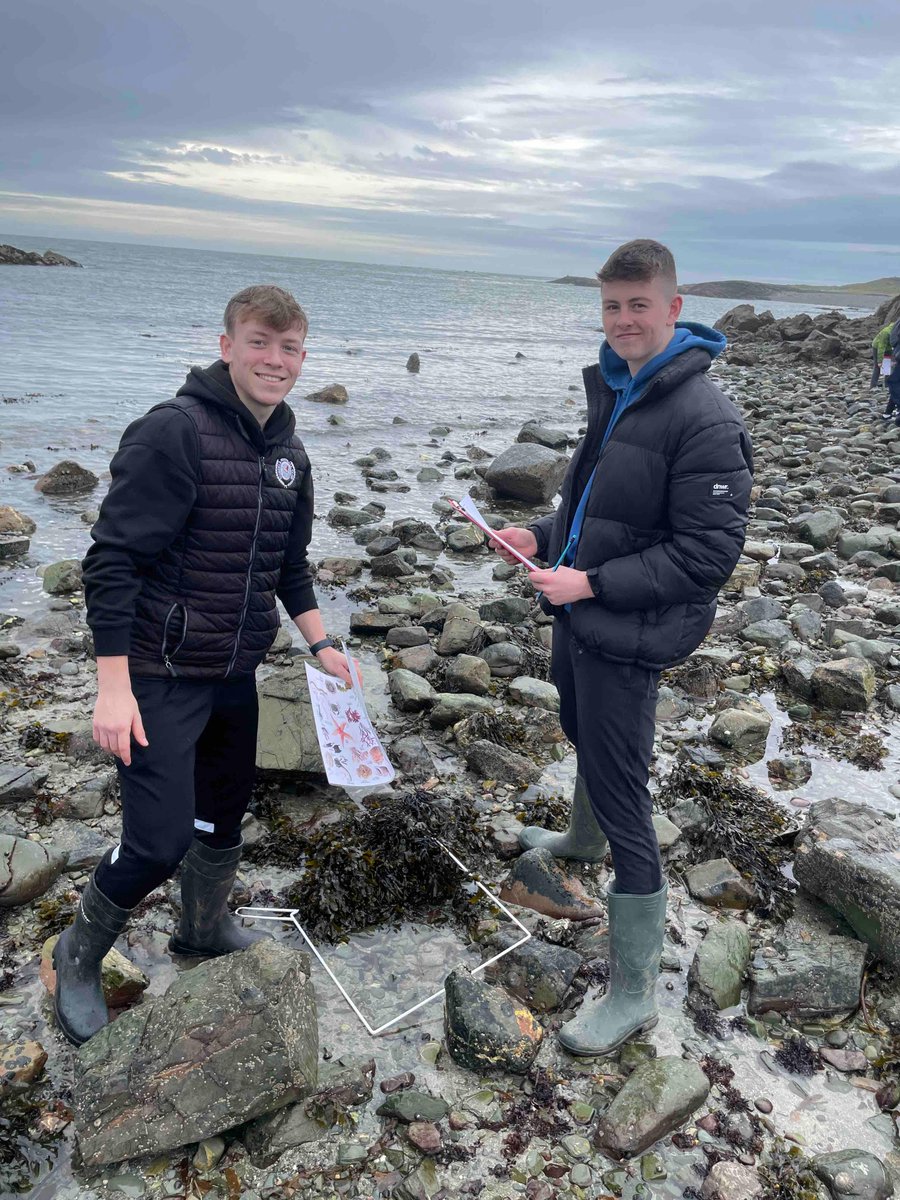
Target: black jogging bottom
{"points": [[194, 779], [608, 712]]}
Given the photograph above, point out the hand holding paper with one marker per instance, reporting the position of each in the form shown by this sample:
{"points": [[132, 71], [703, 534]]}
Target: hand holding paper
{"points": [[352, 754], [514, 548], [562, 585]]}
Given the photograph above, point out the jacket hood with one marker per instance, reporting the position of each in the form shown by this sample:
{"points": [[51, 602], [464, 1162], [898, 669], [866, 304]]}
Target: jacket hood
{"points": [[688, 335], [213, 384]]}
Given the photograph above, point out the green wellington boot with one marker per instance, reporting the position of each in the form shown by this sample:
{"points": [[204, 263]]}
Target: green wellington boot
{"points": [[583, 840], [77, 957], [206, 928], [636, 928]]}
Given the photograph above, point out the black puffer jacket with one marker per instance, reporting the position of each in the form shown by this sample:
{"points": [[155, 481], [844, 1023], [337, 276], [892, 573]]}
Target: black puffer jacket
{"points": [[207, 519], [666, 517]]}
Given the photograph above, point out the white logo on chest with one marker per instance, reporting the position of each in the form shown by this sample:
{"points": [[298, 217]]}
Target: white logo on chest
{"points": [[285, 472]]}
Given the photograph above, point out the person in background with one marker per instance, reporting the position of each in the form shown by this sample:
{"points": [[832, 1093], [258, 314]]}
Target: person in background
{"points": [[650, 525], [207, 520], [893, 382], [881, 345]]}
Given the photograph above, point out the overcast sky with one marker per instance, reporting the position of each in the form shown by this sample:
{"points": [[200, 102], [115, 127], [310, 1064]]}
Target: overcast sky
{"points": [[486, 135]]}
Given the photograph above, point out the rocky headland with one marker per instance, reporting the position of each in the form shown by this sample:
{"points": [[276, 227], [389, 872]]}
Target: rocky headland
{"points": [[775, 1070], [11, 256]]}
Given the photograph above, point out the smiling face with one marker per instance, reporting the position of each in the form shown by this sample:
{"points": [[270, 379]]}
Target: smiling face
{"points": [[264, 363], [639, 317]]}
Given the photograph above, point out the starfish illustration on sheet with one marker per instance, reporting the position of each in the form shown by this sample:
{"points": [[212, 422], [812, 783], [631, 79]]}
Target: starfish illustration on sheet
{"points": [[341, 732]]}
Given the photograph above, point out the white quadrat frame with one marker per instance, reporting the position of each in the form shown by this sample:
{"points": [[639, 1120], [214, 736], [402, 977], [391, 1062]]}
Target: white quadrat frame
{"points": [[289, 916]]}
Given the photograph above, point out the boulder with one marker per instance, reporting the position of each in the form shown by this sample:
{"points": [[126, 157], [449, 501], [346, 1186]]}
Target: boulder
{"points": [[719, 884], [820, 528], [844, 683], [808, 972], [655, 1099], [286, 740], [487, 760], [719, 964], [505, 610], [65, 478], [819, 345], [413, 363], [343, 516], [533, 431], [13, 545], [27, 869], [730, 1180], [527, 472], [20, 1062], [796, 328], [504, 659], [410, 692], [19, 782], [335, 393], [450, 707], [534, 693], [342, 1085], [536, 972], [741, 730], [467, 673], [848, 856], [12, 521], [485, 1029], [232, 1039], [537, 881], [62, 578], [464, 538], [854, 1175], [461, 632]]}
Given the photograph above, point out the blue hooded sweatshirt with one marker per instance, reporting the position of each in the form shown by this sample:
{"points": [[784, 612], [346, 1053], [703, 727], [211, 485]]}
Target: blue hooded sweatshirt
{"points": [[629, 388]]}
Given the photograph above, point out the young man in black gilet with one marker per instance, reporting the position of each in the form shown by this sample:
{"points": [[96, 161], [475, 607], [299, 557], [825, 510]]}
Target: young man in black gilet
{"points": [[207, 520], [650, 525]]}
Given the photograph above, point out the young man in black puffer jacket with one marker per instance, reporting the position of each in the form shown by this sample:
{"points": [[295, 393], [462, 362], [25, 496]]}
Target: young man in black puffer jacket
{"points": [[650, 525], [207, 521]]}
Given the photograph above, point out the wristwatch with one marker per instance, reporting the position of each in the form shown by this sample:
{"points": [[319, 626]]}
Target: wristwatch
{"points": [[321, 645]]}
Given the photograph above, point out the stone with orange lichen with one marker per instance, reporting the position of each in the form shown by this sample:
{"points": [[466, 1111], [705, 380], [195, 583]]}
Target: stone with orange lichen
{"points": [[485, 1028]]}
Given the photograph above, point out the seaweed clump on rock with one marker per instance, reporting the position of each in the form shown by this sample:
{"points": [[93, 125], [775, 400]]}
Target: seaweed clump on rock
{"points": [[386, 866], [742, 824]]}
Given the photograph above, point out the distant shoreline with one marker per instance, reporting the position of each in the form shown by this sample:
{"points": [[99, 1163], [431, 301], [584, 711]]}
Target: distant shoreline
{"points": [[747, 291]]}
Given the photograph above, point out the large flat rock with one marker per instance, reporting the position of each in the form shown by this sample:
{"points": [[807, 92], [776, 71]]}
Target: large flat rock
{"points": [[230, 1040], [849, 856], [287, 730], [655, 1099]]}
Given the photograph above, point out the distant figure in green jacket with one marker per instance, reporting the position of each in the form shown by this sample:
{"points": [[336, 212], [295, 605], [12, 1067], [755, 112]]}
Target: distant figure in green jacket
{"points": [[881, 345]]}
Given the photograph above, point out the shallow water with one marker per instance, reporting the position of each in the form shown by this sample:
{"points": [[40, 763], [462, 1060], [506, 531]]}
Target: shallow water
{"points": [[85, 352]]}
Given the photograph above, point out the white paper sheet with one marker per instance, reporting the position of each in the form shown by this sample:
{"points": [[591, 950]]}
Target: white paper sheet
{"points": [[351, 751], [469, 508]]}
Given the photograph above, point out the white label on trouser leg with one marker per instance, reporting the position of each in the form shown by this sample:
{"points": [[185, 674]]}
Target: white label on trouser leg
{"points": [[115, 854], [205, 826]]}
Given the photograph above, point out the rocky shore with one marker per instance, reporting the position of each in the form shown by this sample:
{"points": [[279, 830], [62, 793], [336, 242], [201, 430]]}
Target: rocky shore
{"points": [[12, 256], [775, 1070]]}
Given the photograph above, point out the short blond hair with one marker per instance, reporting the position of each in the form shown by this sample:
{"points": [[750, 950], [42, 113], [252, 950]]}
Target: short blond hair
{"points": [[272, 305]]}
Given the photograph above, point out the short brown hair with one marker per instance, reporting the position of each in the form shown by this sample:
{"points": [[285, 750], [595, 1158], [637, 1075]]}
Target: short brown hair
{"points": [[270, 304], [641, 259]]}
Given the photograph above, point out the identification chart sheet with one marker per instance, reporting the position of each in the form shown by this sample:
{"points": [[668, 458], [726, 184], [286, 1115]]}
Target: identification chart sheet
{"points": [[351, 751]]}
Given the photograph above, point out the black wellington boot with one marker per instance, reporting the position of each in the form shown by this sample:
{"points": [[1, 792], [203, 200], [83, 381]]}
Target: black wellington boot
{"points": [[77, 957], [206, 928]]}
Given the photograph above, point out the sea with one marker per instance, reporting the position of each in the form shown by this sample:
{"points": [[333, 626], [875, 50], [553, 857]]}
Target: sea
{"points": [[83, 352]]}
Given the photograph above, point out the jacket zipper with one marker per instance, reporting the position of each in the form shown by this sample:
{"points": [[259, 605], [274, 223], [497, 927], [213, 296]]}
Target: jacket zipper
{"points": [[594, 406], [167, 656], [246, 604]]}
